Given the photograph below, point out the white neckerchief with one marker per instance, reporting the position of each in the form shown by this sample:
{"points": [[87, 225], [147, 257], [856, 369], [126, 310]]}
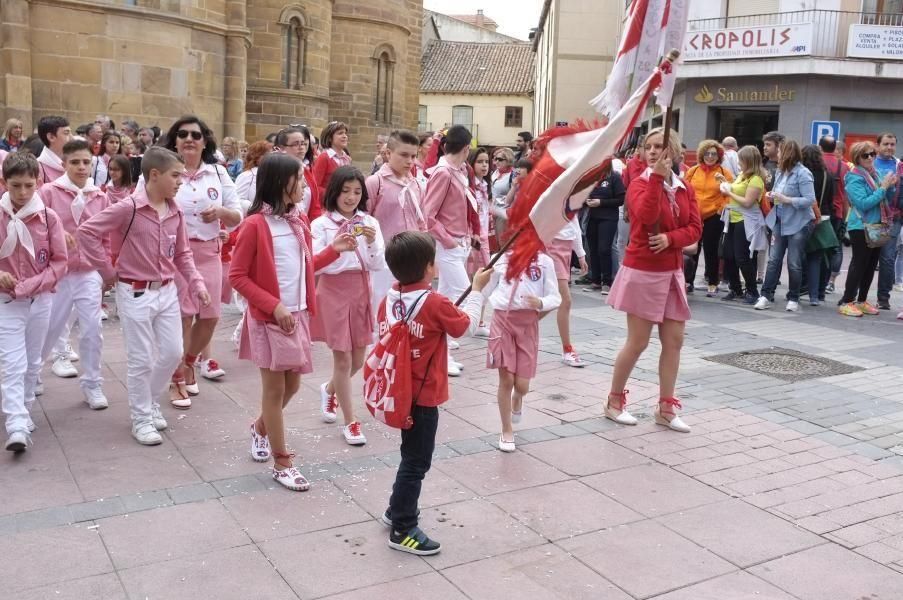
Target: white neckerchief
{"points": [[78, 205], [407, 191], [16, 231], [461, 175], [50, 159], [670, 189]]}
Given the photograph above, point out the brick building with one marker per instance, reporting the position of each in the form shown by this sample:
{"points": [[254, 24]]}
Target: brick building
{"points": [[247, 67]]}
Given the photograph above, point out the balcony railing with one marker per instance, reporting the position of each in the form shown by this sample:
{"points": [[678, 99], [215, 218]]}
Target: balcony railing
{"points": [[830, 28]]}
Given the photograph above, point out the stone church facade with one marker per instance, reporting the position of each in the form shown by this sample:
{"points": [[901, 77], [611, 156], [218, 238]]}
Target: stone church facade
{"points": [[247, 67]]}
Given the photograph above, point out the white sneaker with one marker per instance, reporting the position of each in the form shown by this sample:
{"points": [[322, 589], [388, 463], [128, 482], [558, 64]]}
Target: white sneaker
{"points": [[104, 316], [506, 446], [460, 365], [210, 369], [762, 303], [62, 367], [453, 345], [95, 398], [328, 404], [18, 441], [260, 446], [898, 287], [793, 306], [482, 331], [353, 434], [572, 360], [453, 369], [158, 419], [72, 354], [146, 434], [30, 425], [39, 387]]}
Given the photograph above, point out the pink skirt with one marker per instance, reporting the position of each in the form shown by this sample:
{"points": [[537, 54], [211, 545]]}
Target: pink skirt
{"points": [[208, 262], [345, 317], [226, 295], [514, 342], [268, 347], [560, 251], [650, 295], [478, 259]]}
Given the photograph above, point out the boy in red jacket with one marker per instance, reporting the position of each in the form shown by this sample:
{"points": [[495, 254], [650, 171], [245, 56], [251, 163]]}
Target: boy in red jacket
{"points": [[411, 257]]}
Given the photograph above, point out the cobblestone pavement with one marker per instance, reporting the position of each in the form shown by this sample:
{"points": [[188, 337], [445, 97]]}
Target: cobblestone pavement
{"points": [[784, 489]]}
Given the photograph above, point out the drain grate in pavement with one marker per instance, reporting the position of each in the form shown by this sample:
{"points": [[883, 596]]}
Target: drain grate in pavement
{"points": [[781, 363]]}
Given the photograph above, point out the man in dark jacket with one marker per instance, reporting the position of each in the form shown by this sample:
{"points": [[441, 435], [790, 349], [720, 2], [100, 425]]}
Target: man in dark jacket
{"points": [[602, 230]]}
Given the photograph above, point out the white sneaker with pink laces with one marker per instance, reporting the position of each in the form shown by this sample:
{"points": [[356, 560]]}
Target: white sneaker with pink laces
{"points": [[260, 446], [328, 404], [571, 359]]}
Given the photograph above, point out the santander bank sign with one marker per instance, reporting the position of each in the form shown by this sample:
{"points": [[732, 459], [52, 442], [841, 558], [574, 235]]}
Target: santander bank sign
{"points": [[749, 42]]}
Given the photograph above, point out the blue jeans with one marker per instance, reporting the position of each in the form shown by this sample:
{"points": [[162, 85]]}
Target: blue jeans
{"points": [[795, 248], [886, 266]]}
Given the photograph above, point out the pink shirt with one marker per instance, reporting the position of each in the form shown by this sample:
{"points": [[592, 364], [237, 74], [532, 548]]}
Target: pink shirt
{"points": [[51, 167], [60, 199], [395, 202], [445, 205], [41, 273], [153, 249]]}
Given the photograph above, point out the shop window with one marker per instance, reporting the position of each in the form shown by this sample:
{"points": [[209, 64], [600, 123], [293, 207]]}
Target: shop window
{"points": [[294, 26], [514, 116], [462, 115], [385, 75]]}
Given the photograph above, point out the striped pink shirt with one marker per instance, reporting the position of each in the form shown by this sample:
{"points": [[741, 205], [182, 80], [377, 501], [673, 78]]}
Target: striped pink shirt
{"points": [[445, 205], [153, 249]]}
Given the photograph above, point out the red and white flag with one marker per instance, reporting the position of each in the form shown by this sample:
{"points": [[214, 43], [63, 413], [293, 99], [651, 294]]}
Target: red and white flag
{"points": [[638, 55], [567, 162], [674, 25]]}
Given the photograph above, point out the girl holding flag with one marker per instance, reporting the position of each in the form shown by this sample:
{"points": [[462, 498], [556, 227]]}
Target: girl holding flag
{"points": [[664, 218]]}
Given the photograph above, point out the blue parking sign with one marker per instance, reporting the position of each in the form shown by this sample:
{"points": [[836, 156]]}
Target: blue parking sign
{"points": [[822, 128]]}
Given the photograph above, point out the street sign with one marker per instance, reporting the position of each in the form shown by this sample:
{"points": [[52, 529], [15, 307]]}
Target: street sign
{"points": [[822, 128]]}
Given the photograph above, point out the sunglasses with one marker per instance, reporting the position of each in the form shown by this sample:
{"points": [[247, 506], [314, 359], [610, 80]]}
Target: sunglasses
{"points": [[501, 159], [870, 155], [195, 135], [710, 154]]}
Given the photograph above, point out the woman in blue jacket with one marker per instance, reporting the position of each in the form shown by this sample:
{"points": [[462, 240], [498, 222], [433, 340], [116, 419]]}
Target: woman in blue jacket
{"points": [[791, 221], [867, 196]]}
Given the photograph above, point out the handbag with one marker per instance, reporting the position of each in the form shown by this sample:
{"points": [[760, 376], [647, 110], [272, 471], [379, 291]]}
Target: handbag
{"points": [[284, 355], [823, 238], [877, 235]]}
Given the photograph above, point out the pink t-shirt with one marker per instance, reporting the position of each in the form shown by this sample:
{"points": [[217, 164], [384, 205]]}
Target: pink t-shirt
{"points": [[395, 202]]}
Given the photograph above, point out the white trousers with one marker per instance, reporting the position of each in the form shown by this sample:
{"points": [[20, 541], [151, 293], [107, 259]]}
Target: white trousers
{"points": [[23, 330], [452, 265], [83, 291], [152, 327]]}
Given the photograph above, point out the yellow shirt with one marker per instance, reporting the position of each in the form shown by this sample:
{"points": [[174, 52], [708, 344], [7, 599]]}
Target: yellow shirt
{"points": [[739, 187]]}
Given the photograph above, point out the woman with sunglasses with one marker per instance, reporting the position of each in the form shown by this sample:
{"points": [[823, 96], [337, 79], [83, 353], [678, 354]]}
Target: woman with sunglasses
{"points": [[502, 179], [207, 197], [706, 177], [867, 195]]}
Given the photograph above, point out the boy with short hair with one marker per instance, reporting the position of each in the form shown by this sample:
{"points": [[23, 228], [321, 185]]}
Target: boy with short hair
{"points": [[154, 245], [411, 257], [32, 260], [393, 198], [55, 133], [75, 198]]}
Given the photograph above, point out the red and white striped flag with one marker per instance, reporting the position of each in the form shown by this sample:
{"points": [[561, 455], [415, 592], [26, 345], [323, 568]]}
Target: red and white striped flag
{"points": [[567, 161], [674, 24], [638, 54]]}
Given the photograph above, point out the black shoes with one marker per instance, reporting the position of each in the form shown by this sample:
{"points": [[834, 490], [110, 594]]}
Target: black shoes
{"points": [[883, 304], [414, 542]]}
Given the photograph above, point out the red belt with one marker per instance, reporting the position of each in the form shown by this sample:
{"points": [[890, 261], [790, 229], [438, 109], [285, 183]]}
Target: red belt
{"points": [[145, 285]]}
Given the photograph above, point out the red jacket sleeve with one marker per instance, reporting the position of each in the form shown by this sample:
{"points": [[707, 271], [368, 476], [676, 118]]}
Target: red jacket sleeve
{"points": [[316, 204], [449, 317], [323, 168], [692, 231], [243, 259]]}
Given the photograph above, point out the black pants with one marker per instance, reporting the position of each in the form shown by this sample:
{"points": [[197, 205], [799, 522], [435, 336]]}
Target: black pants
{"points": [[600, 236], [737, 260], [708, 247], [417, 445], [862, 268]]}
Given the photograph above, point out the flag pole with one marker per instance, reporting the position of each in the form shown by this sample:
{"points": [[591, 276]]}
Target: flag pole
{"points": [[666, 135], [492, 262]]}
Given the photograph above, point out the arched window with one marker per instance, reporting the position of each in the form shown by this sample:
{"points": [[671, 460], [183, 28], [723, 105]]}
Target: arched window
{"points": [[295, 44], [385, 75]]}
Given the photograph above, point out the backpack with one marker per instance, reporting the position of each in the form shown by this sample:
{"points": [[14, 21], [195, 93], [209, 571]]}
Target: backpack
{"points": [[388, 385]]}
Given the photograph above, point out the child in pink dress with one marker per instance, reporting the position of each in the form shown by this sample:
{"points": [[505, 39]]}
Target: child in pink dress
{"points": [[514, 334], [344, 286], [273, 268], [649, 286]]}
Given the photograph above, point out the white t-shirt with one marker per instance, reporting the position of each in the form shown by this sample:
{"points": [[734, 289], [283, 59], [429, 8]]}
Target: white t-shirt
{"points": [[539, 280], [289, 265], [326, 227]]}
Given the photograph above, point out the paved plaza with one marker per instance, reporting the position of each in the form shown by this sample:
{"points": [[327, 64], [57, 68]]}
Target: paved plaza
{"points": [[786, 488]]}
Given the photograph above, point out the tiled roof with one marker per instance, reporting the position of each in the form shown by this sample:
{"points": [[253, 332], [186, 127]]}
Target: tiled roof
{"points": [[474, 68]]}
